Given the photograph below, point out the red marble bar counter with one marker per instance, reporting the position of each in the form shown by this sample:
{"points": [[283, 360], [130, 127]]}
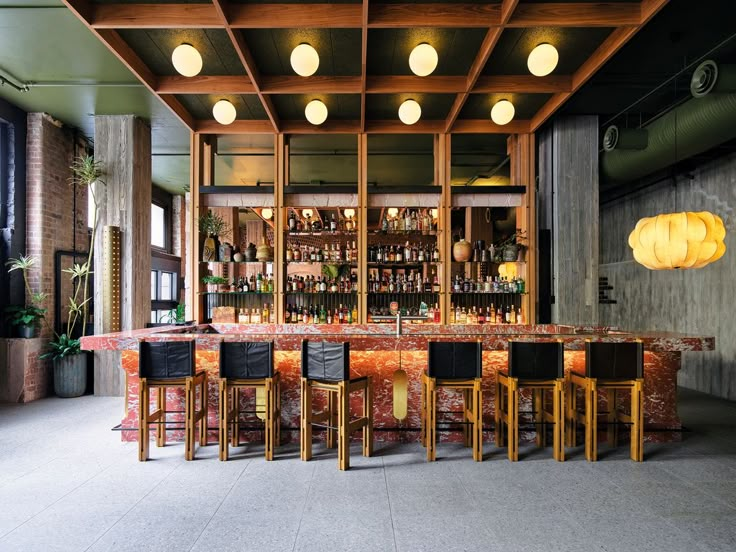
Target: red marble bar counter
{"points": [[376, 350]]}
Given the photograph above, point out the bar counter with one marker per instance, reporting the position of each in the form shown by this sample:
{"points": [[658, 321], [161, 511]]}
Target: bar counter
{"points": [[377, 350]]}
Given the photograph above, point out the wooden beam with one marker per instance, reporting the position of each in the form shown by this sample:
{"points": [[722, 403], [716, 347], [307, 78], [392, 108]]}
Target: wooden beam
{"points": [[263, 126], [397, 127], [395, 84], [285, 16], [593, 14], [328, 127], [389, 16], [481, 58], [154, 16], [289, 84], [486, 126], [489, 84], [365, 10], [203, 84], [602, 54], [240, 126]]}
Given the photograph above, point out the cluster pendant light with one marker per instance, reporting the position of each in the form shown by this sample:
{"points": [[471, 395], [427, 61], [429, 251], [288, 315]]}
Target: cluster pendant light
{"points": [[186, 60], [678, 240], [304, 60], [542, 60], [224, 112], [410, 112], [502, 112]]}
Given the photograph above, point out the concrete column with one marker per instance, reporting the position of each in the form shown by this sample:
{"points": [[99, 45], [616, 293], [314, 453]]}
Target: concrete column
{"points": [[123, 145], [568, 207]]}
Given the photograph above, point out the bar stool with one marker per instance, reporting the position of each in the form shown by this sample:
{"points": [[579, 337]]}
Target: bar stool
{"points": [[538, 366], [453, 365], [326, 366], [610, 367], [248, 365], [162, 365]]}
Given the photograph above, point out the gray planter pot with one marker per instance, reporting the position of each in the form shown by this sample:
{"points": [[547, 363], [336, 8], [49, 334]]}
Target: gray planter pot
{"points": [[510, 253], [26, 332], [70, 375]]}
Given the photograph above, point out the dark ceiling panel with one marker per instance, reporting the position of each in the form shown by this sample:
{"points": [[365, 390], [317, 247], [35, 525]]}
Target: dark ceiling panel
{"points": [[154, 47], [339, 106], [248, 107], [575, 45], [149, 2], [400, 143], [389, 49], [386, 106], [479, 143], [296, 1], [478, 106], [343, 143], [338, 49]]}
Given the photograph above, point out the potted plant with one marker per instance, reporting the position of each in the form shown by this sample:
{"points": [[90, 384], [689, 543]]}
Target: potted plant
{"points": [[214, 282], [213, 226], [70, 362], [176, 316], [26, 319], [512, 248]]}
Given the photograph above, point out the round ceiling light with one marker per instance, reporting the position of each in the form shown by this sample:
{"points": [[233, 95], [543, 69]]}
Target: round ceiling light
{"points": [[349, 213], [224, 112], [304, 60], [409, 112], [316, 112], [187, 60], [543, 60], [423, 60], [267, 213], [502, 112]]}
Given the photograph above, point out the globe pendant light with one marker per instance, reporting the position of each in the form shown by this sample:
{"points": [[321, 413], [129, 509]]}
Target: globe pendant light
{"points": [[316, 112], [187, 60], [410, 112], [678, 240], [502, 112], [304, 60], [224, 112], [423, 60], [542, 60]]}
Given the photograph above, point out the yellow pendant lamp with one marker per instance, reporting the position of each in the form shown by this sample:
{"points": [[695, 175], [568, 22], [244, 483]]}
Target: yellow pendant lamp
{"points": [[678, 240]]}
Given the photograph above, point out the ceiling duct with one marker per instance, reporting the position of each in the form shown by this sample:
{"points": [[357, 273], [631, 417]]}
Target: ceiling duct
{"points": [[625, 138], [699, 124]]}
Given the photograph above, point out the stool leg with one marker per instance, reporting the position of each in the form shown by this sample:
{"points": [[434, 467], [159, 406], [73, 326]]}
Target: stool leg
{"points": [[203, 411], [332, 417], [431, 416], [305, 432], [467, 431], [368, 415], [477, 422], [343, 423], [189, 419], [269, 418], [423, 411], [235, 417], [612, 429], [570, 412], [538, 417], [278, 412], [161, 424], [558, 403], [637, 421], [143, 407], [591, 420], [223, 407], [513, 419], [498, 415]]}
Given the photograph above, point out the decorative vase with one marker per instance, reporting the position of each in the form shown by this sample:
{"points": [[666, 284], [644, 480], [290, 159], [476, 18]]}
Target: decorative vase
{"points": [[462, 250], [510, 252], [238, 257], [70, 375], [209, 249], [226, 252], [264, 252], [250, 253]]}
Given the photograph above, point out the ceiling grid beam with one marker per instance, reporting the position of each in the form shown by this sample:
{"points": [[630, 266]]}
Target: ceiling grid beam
{"points": [[363, 60]]}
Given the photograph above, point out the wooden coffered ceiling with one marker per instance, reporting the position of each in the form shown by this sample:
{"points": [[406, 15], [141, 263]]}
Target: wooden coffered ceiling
{"points": [[364, 46]]}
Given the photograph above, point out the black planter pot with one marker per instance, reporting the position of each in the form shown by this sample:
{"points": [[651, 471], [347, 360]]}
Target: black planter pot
{"points": [[26, 332]]}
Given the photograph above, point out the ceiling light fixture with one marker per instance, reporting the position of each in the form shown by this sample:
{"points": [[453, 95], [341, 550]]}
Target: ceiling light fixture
{"points": [[316, 112], [409, 112], [304, 60], [307, 213], [502, 112], [267, 213], [543, 60], [423, 60], [349, 213], [224, 112], [187, 60]]}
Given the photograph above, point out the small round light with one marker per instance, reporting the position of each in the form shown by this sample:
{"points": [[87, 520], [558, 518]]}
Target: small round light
{"points": [[187, 60], [316, 112], [423, 60], [349, 213], [304, 60], [543, 60], [502, 112], [409, 112], [224, 112], [307, 213], [267, 213], [435, 213], [393, 212]]}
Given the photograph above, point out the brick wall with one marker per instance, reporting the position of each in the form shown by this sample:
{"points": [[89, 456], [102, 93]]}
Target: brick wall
{"points": [[52, 221]]}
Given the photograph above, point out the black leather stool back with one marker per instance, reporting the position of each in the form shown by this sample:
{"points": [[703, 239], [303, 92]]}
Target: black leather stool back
{"points": [[536, 360], [246, 360], [454, 360], [326, 361], [614, 361], [166, 359]]}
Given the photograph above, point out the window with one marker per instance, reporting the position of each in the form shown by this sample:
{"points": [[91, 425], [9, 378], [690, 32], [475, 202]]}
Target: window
{"points": [[158, 226], [154, 285], [166, 287]]}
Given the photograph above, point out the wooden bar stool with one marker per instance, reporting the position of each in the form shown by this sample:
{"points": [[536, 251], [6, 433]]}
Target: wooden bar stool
{"points": [[538, 366], [248, 365], [162, 365], [453, 365], [610, 367], [326, 366]]}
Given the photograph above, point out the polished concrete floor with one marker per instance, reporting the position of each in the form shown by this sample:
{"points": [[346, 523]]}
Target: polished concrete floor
{"points": [[67, 483]]}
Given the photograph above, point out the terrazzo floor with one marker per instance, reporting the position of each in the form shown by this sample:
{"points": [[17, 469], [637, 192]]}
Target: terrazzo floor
{"points": [[68, 483]]}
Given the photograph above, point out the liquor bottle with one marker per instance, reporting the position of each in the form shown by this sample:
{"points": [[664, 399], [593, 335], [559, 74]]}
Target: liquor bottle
{"points": [[399, 255], [242, 318], [292, 222], [354, 315], [452, 314], [513, 315], [329, 317], [255, 317], [463, 316], [508, 315], [287, 314], [481, 316], [436, 314], [354, 253], [492, 314], [407, 220], [265, 318], [333, 223], [436, 254], [520, 317], [322, 315], [499, 315]]}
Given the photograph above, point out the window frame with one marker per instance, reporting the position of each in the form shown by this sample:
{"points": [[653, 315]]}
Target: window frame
{"points": [[164, 200]]}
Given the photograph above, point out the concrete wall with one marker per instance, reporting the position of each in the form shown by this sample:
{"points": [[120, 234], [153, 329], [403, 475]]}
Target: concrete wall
{"points": [[690, 301]]}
